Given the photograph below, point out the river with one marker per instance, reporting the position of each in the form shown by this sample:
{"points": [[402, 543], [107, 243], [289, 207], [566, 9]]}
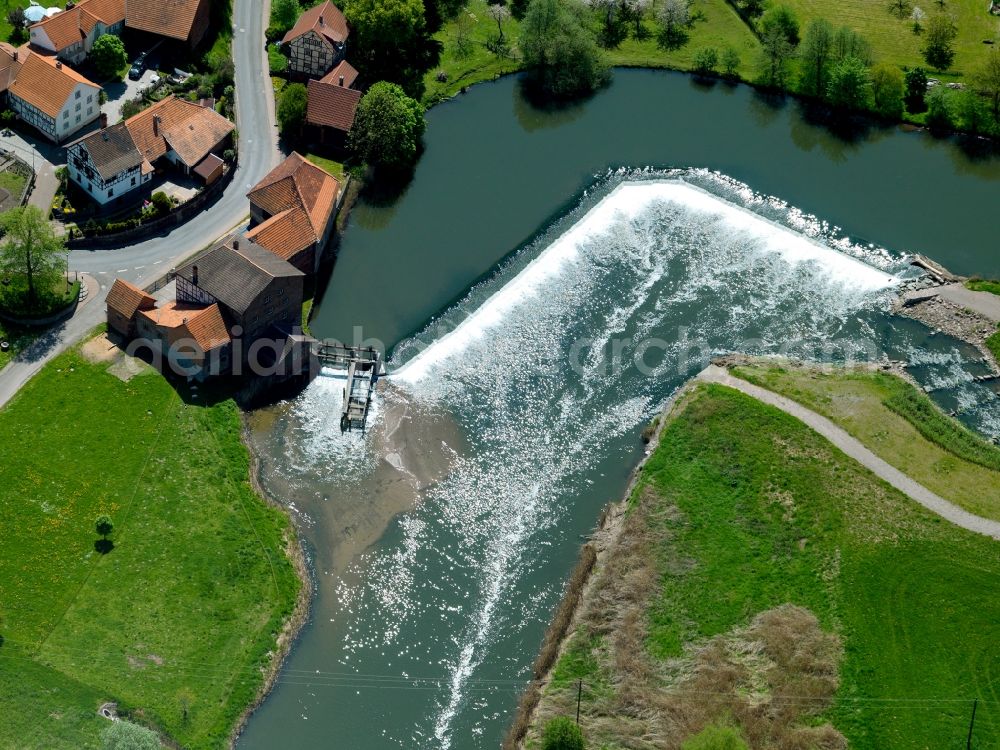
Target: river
{"points": [[545, 282]]}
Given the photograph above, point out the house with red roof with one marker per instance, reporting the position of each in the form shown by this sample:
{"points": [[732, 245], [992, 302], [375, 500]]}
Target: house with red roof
{"points": [[317, 42], [333, 103], [49, 95], [293, 211]]}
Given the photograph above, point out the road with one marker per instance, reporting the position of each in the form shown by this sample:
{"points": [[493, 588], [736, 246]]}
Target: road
{"points": [[142, 263], [856, 450]]}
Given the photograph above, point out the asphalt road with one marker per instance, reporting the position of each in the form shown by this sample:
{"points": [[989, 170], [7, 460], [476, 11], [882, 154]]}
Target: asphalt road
{"points": [[142, 263]]}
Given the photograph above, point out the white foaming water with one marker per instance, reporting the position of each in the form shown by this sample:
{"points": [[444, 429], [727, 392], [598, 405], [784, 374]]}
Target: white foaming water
{"points": [[461, 587], [625, 203]]}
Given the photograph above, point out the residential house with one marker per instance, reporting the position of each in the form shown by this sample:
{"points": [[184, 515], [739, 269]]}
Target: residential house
{"points": [[51, 96], [254, 289], [185, 21], [10, 65], [194, 338], [332, 105], [119, 159], [107, 164], [124, 301], [182, 132], [318, 41], [71, 34], [293, 211]]}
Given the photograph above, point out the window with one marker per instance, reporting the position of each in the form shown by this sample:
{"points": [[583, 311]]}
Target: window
{"points": [[111, 193], [78, 106], [90, 111], [133, 182], [78, 118], [66, 115], [267, 299], [78, 93], [90, 98]]}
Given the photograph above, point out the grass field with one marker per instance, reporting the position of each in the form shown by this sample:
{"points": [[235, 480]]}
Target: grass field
{"points": [[720, 28], [177, 620], [740, 511], [901, 425], [892, 38], [983, 285], [335, 168]]}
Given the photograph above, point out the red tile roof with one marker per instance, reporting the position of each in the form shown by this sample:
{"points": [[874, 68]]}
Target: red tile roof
{"points": [[325, 19], [126, 299], [331, 105], [170, 18], [190, 130], [178, 321], [46, 83], [9, 67], [300, 199], [71, 26], [345, 69]]}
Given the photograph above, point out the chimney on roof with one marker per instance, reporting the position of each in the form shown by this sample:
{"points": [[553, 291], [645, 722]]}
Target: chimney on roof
{"points": [[58, 65], [321, 22], [236, 244], [104, 120], [15, 55], [342, 80], [194, 275], [156, 124]]}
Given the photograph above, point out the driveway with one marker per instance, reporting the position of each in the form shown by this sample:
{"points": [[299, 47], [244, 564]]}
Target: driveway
{"points": [[44, 158], [120, 92], [142, 263]]}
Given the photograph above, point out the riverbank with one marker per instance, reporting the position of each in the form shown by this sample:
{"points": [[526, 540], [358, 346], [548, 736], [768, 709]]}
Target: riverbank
{"points": [[805, 553], [179, 616]]}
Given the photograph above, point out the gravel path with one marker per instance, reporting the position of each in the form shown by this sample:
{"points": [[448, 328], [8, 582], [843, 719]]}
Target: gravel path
{"points": [[856, 450]]}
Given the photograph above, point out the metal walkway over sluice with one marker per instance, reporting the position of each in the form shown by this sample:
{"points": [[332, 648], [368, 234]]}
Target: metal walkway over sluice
{"points": [[363, 369]]}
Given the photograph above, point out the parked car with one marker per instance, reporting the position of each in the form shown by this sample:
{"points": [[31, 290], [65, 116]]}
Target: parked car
{"points": [[135, 72]]}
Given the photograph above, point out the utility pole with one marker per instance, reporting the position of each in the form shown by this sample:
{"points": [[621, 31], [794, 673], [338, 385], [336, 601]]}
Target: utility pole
{"points": [[972, 723], [579, 697]]}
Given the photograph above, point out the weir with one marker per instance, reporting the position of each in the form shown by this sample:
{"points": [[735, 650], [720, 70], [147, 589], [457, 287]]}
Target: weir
{"points": [[362, 368]]}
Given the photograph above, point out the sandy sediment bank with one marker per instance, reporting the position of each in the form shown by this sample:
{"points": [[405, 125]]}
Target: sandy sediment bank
{"points": [[593, 558]]}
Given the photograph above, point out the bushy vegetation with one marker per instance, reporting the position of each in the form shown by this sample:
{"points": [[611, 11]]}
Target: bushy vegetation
{"points": [[292, 106], [108, 56], [826, 585], [984, 285], [715, 737], [176, 622], [562, 733], [560, 52], [388, 127]]}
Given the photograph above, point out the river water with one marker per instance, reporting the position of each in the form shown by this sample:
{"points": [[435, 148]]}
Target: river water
{"points": [[544, 284]]}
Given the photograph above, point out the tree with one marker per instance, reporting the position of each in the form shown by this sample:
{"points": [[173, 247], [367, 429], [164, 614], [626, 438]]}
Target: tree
{"points": [[900, 8], [108, 55], [705, 60], [776, 51], [887, 90], [849, 43], [387, 127], [562, 733], [972, 112], [916, 89], [939, 50], [940, 117], [292, 108], [284, 14], [499, 13], [17, 19], [124, 735], [30, 249], [918, 16], [850, 85], [104, 526], [559, 51], [636, 11], [986, 81], [675, 15], [815, 53], [730, 62], [391, 38], [782, 18], [715, 737]]}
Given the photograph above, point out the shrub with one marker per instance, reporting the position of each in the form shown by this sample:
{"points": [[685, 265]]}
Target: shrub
{"points": [[705, 60], [162, 203], [562, 733], [715, 737], [124, 735], [292, 108], [940, 117]]}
